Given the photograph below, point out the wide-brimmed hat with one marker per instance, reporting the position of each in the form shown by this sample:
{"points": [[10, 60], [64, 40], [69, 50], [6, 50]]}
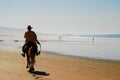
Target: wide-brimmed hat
{"points": [[29, 27]]}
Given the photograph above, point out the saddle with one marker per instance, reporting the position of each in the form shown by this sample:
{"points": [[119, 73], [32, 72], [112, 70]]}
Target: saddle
{"points": [[29, 44]]}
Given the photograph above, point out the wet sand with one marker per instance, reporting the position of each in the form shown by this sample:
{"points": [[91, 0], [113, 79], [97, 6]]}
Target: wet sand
{"points": [[55, 67]]}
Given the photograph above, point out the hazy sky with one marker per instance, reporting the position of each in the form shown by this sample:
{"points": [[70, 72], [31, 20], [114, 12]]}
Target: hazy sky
{"points": [[62, 16]]}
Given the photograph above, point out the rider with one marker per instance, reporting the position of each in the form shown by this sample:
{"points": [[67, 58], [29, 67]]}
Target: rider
{"points": [[30, 36]]}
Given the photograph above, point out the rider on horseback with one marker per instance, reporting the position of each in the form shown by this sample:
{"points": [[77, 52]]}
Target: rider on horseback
{"points": [[30, 36]]}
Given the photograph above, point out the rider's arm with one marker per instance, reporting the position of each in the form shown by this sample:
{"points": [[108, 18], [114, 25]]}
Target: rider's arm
{"points": [[36, 38], [37, 41]]}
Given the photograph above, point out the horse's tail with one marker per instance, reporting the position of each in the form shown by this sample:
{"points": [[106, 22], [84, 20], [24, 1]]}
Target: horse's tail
{"points": [[29, 51], [31, 54]]}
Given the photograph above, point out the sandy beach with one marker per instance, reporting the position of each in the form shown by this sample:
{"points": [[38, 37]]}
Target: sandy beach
{"points": [[55, 67]]}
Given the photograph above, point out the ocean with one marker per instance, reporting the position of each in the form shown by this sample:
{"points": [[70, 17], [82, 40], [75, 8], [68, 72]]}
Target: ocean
{"points": [[105, 46]]}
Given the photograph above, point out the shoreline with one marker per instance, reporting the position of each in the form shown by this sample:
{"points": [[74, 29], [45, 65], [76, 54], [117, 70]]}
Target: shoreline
{"points": [[12, 48], [80, 57]]}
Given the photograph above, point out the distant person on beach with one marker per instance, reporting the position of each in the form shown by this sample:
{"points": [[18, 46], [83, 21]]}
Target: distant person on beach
{"points": [[93, 40], [30, 36]]}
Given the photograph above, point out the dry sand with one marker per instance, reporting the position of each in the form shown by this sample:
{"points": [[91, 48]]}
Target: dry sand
{"points": [[55, 67]]}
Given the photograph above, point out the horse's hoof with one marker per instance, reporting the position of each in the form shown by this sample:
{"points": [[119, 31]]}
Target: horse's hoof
{"points": [[31, 69]]}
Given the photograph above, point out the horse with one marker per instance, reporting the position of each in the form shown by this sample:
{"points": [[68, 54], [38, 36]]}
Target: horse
{"points": [[30, 53]]}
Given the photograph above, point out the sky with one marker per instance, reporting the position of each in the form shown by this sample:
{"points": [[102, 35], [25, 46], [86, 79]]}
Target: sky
{"points": [[62, 16]]}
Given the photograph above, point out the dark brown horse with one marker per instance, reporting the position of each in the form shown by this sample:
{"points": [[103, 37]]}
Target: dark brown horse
{"points": [[31, 52]]}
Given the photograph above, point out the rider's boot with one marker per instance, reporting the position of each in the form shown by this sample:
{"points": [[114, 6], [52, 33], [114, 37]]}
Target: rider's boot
{"points": [[38, 52], [23, 54], [23, 50]]}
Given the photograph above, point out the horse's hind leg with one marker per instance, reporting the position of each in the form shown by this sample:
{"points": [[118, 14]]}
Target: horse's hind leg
{"points": [[31, 67], [33, 60], [32, 63], [27, 65], [28, 62]]}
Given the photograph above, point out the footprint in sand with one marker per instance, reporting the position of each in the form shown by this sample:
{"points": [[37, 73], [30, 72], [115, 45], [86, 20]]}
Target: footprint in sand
{"points": [[38, 77]]}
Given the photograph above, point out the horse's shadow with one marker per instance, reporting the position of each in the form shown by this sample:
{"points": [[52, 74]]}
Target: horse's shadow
{"points": [[40, 73]]}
